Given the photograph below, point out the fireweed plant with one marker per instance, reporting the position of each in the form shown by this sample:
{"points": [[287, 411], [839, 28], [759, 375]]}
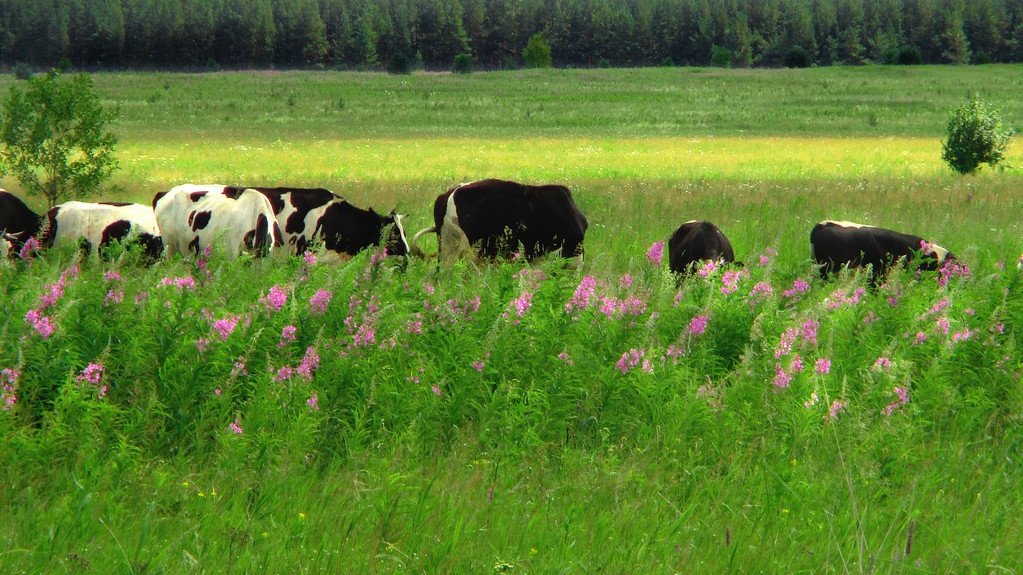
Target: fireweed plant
{"points": [[172, 377]]}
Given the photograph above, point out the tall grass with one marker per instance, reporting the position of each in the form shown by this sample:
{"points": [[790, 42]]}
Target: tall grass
{"points": [[292, 415]]}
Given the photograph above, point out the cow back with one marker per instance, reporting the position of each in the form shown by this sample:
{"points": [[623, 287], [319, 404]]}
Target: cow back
{"points": [[697, 241]]}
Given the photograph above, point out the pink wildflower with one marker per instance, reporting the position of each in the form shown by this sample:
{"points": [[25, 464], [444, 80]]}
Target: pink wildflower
{"points": [[8, 387], [563, 356], [882, 364], [414, 327], [314, 400], [731, 279], [782, 379], [43, 325], [629, 360], [114, 297], [583, 293], [318, 303], [837, 406], [655, 254], [823, 366], [698, 325], [235, 427], [31, 247], [902, 399], [275, 299], [812, 401], [225, 326], [287, 335], [708, 268], [522, 303], [478, 365], [91, 374], [761, 289], [309, 363], [309, 257], [799, 286], [435, 390], [284, 373]]}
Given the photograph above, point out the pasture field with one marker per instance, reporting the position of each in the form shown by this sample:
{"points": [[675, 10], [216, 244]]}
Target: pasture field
{"points": [[288, 415]]}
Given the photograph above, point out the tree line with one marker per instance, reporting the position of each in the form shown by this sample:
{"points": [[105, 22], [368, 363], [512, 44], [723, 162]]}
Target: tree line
{"points": [[376, 34]]}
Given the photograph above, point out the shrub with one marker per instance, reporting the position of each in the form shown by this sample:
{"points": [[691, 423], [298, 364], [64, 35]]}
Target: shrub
{"points": [[798, 57], [22, 71], [399, 64], [538, 52], [667, 62], [720, 57], [910, 56], [55, 137], [462, 64], [604, 63], [975, 136]]}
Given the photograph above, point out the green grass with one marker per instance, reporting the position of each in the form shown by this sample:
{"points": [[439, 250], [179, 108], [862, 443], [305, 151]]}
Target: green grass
{"points": [[417, 461]]}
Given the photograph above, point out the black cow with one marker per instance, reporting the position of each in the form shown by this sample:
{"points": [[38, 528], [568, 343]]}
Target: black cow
{"points": [[305, 214], [697, 241], [496, 218], [837, 244], [17, 221]]}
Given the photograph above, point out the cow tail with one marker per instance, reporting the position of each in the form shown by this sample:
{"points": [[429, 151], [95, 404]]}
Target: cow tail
{"points": [[415, 250]]}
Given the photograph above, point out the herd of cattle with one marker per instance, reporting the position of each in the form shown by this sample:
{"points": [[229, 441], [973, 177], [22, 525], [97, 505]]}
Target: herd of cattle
{"points": [[487, 220]]}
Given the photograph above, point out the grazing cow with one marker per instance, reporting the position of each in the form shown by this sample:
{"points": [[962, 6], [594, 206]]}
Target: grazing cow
{"points": [[193, 218], [17, 221], [697, 241], [305, 214], [837, 244], [96, 226], [495, 218]]}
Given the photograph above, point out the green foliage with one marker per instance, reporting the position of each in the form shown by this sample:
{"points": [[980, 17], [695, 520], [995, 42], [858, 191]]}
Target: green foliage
{"points": [[462, 64], [22, 71], [399, 64], [720, 57], [798, 57], [55, 137], [362, 35], [537, 52], [975, 136]]}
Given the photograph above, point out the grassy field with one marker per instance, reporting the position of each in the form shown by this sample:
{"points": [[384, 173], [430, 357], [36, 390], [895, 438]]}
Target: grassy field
{"points": [[286, 416]]}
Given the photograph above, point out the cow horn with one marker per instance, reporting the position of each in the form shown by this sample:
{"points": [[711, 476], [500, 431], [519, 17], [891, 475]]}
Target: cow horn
{"points": [[414, 248]]}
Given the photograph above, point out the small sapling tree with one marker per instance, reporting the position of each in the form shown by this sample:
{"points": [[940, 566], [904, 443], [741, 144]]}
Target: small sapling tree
{"points": [[975, 136], [55, 138], [538, 52]]}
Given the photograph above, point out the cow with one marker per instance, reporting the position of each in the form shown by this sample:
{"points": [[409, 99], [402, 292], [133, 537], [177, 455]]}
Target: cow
{"points": [[306, 215], [17, 221], [194, 218], [834, 244], [492, 219], [697, 241], [96, 226]]}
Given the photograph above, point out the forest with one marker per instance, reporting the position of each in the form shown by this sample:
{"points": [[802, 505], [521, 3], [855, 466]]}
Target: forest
{"points": [[375, 34]]}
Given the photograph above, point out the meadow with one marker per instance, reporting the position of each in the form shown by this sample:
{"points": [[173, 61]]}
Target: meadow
{"points": [[290, 415]]}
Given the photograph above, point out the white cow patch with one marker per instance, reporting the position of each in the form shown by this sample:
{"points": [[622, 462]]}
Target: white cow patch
{"points": [[454, 243], [81, 220]]}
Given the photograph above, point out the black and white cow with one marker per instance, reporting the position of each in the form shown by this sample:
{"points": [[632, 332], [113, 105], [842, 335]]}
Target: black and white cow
{"points": [[96, 226], [308, 214], [489, 219], [697, 241], [17, 221], [195, 218], [836, 244]]}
